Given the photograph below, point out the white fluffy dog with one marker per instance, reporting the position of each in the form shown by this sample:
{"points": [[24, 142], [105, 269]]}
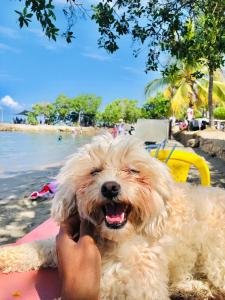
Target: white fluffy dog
{"points": [[157, 238]]}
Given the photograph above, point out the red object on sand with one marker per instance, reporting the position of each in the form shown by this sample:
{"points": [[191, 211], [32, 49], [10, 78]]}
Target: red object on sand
{"points": [[42, 193], [34, 285]]}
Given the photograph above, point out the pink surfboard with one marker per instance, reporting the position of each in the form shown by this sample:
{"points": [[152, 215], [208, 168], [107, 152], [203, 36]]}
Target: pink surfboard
{"points": [[33, 285]]}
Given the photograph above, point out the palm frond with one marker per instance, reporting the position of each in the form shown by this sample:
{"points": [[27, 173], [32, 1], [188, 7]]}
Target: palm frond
{"points": [[180, 100], [202, 93], [155, 85], [168, 92], [218, 76], [219, 91]]}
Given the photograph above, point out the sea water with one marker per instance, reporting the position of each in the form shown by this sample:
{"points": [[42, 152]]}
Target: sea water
{"points": [[20, 151]]}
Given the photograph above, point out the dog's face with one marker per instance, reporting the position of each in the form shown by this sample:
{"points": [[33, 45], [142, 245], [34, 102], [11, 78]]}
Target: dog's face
{"points": [[116, 185]]}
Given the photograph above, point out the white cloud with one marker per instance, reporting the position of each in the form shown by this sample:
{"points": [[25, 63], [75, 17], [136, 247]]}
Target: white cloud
{"points": [[37, 32], [45, 42], [55, 46], [5, 47], [96, 56], [8, 32], [8, 101], [133, 70]]}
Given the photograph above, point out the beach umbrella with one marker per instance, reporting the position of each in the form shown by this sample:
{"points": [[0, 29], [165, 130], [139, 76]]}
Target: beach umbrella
{"points": [[23, 113]]}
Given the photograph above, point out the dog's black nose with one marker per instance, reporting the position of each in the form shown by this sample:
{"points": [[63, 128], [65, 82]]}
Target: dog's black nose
{"points": [[110, 189]]}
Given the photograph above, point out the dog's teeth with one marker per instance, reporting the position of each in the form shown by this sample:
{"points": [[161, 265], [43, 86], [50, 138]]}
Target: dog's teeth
{"points": [[115, 219]]}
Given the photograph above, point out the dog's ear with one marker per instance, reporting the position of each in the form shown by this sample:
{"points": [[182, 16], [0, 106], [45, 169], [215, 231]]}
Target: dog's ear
{"points": [[155, 226], [163, 190], [64, 201]]}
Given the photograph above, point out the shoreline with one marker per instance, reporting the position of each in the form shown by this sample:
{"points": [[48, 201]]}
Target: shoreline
{"points": [[50, 128]]}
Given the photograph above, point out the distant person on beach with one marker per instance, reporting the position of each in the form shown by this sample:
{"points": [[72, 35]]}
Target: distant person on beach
{"points": [[190, 115], [79, 262], [131, 131], [183, 125], [114, 131], [121, 128], [74, 131], [173, 121]]}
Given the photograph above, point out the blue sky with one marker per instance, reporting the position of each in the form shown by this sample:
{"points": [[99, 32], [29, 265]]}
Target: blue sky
{"points": [[34, 69]]}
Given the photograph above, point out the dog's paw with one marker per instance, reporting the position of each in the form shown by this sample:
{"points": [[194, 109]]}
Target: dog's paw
{"points": [[27, 257], [13, 259], [19, 258], [190, 289]]}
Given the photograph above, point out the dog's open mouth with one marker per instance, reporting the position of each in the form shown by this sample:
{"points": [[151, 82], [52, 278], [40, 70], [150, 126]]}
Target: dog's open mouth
{"points": [[116, 214]]}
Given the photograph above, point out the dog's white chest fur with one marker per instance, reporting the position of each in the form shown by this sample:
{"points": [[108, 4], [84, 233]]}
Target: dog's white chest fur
{"points": [[131, 270]]}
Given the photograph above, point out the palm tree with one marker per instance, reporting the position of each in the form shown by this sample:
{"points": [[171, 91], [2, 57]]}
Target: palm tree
{"points": [[185, 84]]}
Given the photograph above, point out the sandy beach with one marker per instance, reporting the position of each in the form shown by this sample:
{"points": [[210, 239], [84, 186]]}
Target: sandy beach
{"points": [[19, 215]]}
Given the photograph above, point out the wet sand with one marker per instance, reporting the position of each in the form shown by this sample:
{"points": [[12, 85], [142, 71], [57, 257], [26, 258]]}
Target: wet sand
{"points": [[18, 214]]}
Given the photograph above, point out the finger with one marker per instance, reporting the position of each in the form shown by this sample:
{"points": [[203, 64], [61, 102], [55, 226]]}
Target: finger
{"points": [[64, 245], [62, 239]]}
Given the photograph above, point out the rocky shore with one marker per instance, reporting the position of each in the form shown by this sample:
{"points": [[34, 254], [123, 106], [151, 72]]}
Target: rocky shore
{"points": [[210, 141]]}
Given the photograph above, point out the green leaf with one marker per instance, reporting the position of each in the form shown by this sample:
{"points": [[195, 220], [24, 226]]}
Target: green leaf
{"points": [[26, 22], [24, 11], [18, 12]]}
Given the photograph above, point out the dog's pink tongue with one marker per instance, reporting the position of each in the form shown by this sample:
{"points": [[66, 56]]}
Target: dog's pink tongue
{"points": [[115, 213], [119, 218]]}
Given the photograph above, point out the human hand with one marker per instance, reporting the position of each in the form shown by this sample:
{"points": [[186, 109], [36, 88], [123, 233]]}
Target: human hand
{"points": [[79, 262]]}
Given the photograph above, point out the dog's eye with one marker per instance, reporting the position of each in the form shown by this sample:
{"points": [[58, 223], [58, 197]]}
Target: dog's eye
{"points": [[133, 171], [95, 171]]}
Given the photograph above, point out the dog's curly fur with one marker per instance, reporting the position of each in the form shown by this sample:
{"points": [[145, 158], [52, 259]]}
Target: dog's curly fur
{"points": [[173, 242]]}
